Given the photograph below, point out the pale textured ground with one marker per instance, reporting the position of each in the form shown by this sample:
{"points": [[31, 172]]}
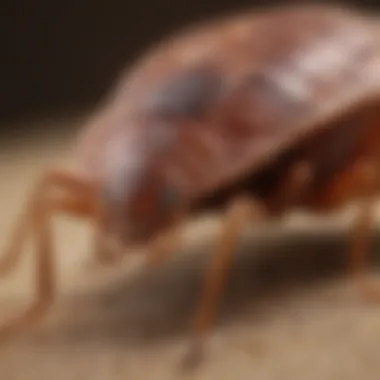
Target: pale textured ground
{"points": [[288, 313]]}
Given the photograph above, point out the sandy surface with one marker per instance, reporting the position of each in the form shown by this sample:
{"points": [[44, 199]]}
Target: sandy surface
{"points": [[289, 312]]}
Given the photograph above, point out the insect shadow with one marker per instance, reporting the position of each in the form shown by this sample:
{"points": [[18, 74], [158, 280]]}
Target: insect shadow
{"points": [[158, 304]]}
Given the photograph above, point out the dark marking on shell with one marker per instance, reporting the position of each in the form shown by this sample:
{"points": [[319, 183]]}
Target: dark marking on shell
{"points": [[187, 95]]}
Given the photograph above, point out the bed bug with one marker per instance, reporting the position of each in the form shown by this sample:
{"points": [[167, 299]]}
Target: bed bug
{"points": [[251, 114]]}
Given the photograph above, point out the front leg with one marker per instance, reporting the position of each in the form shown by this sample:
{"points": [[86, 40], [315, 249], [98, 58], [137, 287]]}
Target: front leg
{"points": [[42, 207], [51, 181]]}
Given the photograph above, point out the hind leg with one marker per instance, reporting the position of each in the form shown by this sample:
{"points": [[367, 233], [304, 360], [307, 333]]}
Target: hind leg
{"points": [[360, 249], [360, 179]]}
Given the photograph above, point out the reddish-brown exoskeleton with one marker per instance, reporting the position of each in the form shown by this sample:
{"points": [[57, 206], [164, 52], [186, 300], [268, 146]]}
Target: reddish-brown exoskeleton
{"points": [[254, 114]]}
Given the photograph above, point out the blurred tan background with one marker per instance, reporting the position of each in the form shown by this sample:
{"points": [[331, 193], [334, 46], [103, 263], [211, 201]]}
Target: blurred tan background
{"points": [[289, 311]]}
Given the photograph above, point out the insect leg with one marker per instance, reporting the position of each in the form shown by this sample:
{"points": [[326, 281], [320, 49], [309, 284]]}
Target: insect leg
{"points": [[50, 181], [238, 213], [37, 218], [361, 236]]}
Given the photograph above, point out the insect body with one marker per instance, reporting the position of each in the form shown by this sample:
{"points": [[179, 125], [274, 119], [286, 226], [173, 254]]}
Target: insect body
{"points": [[253, 114]]}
